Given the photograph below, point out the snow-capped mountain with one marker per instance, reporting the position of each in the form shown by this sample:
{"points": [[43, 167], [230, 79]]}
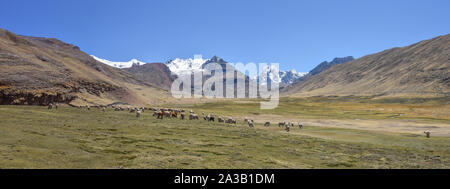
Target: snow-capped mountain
{"points": [[119, 64], [269, 73], [185, 66], [288, 77], [283, 78]]}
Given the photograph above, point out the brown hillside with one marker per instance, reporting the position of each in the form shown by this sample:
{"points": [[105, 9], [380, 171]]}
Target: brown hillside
{"points": [[421, 69], [156, 73], [38, 71]]}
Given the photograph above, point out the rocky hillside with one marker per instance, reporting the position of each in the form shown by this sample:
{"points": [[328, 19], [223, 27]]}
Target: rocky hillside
{"points": [[421, 69], [155, 73], [38, 71]]}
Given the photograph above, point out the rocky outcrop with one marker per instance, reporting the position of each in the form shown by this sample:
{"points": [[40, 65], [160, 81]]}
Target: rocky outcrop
{"points": [[20, 97]]}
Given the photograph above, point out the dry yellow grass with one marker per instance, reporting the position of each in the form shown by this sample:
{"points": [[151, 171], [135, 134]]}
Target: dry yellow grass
{"points": [[401, 115], [34, 137]]}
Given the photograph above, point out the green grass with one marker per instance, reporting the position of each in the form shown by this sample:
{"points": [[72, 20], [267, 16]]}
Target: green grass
{"points": [[34, 137]]}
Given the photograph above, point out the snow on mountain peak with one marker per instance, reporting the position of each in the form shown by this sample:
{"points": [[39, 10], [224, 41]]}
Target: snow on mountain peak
{"points": [[119, 64], [285, 77], [269, 73], [183, 66], [288, 77]]}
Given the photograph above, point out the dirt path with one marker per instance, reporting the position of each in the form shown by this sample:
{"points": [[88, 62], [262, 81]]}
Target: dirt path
{"points": [[397, 125]]}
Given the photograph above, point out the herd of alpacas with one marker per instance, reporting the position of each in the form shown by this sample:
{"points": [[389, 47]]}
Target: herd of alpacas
{"points": [[170, 113], [161, 113]]}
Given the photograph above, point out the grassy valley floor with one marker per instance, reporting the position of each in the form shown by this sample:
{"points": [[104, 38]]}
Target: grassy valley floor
{"points": [[34, 137]]}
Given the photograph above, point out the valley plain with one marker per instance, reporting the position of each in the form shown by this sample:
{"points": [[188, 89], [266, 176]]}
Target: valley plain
{"points": [[338, 132]]}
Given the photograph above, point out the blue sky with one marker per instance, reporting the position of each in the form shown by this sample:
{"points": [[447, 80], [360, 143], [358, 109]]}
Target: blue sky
{"points": [[297, 34]]}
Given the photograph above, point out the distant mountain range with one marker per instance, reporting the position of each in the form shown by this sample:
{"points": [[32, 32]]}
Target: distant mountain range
{"points": [[185, 66], [180, 66], [35, 70]]}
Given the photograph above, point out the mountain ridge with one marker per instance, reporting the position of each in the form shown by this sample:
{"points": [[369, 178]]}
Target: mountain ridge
{"points": [[181, 66], [156, 73], [35, 70], [420, 69]]}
